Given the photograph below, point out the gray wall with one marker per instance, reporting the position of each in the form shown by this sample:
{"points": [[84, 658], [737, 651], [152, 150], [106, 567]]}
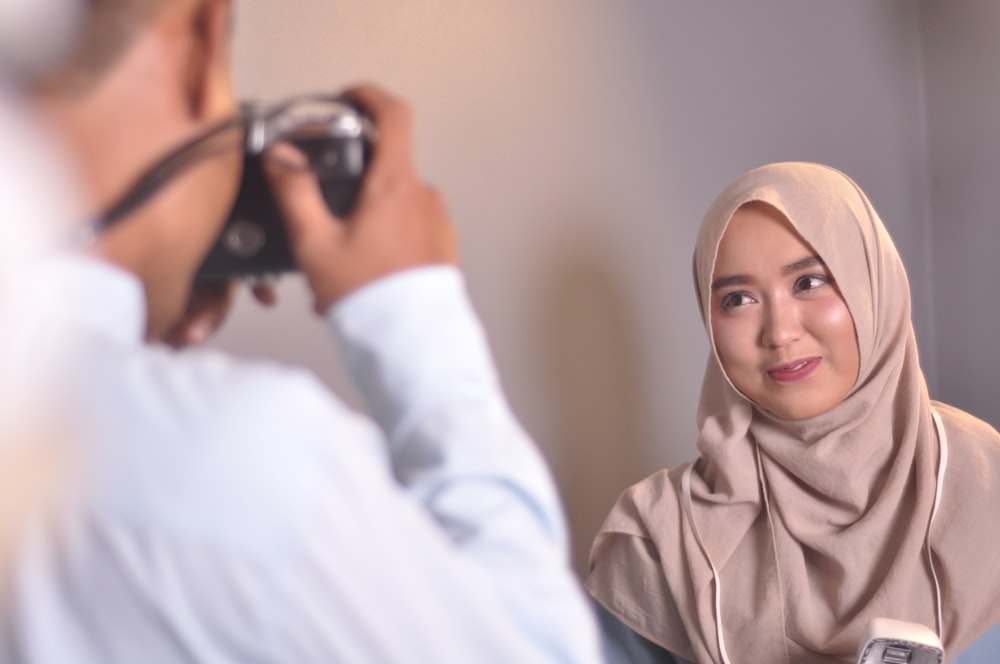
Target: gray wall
{"points": [[962, 59], [579, 142]]}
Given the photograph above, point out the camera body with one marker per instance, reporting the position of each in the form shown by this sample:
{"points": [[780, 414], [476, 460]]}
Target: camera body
{"points": [[336, 137], [897, 642]]}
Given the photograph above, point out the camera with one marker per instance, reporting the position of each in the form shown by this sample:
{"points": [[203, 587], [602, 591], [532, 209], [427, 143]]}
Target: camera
{"points": [[896, 642], [336, 136]]}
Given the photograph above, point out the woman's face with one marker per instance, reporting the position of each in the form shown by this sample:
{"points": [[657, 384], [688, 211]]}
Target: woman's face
{"points": [[782, 330]]}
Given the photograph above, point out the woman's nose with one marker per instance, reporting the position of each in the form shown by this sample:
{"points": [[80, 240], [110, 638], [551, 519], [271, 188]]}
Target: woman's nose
{"points": [[781, 325]]}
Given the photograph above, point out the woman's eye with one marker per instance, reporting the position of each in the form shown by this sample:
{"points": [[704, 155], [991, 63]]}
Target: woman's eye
{"points": [[736, 299], [811, 282]]}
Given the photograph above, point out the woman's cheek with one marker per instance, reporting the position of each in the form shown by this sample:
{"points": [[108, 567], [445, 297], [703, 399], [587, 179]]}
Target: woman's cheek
{"points": [[733, 342]]}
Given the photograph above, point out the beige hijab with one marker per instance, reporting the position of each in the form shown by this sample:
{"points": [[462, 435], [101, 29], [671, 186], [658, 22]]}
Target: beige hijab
{"points": [[814, 526]]}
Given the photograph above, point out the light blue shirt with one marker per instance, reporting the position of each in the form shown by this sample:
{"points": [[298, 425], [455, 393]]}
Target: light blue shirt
{"points": [[229, 511]]}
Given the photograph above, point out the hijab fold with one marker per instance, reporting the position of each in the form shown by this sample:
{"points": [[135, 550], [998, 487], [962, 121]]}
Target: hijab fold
{"points": [[816, 526]]}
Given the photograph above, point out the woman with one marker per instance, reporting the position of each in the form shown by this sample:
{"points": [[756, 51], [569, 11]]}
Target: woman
{"points": [[829, 489]]}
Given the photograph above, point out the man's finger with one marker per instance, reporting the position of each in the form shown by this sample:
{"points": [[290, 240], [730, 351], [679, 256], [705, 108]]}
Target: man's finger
{"points": [[265, 294], [299, 196], [206, 311], [392, 117]]}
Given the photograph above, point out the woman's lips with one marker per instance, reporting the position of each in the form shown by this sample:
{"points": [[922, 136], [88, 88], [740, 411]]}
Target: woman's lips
{"points": [[793, 371]]}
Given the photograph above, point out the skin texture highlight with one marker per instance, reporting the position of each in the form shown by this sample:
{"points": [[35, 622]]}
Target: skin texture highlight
{"points": [[781, 328]]}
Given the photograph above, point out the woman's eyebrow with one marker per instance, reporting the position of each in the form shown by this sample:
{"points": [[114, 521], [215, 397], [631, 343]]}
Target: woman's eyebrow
{"points": [[803, 264], [735, 280]]}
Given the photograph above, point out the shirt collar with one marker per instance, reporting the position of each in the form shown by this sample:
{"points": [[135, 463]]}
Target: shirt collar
{"points": [[84, 290]]}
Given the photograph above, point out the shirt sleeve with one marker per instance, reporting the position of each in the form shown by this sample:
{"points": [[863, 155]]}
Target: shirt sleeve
{"points": [[469, 561], [420, 358]]}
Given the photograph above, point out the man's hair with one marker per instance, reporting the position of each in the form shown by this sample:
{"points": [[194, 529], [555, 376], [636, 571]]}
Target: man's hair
{"points": [[109, 28]]}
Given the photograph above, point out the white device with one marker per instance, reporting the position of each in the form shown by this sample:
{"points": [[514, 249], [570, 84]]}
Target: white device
{"points": [[897, 642]]}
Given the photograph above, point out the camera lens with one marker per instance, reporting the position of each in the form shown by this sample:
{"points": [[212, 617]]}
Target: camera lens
{"points": [[244, 239]]}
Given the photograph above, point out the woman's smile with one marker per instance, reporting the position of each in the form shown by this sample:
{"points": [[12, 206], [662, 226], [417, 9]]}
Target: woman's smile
{"points": [[797, 370]]}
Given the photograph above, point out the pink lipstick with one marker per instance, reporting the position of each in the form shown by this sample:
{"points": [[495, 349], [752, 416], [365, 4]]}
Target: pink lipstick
{"points": [[793, 371]]}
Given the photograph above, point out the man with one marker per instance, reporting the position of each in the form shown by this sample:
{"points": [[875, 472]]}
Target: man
{"points": [[233, 512]]}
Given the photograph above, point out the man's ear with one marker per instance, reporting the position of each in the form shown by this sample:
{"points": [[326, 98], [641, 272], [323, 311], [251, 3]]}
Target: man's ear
{"points": [[208, 74]]}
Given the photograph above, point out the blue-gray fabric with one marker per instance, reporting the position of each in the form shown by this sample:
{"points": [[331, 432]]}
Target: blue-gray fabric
{"points": [[623, 645]]}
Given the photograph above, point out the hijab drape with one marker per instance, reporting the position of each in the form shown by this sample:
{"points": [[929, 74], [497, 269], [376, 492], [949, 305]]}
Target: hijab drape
{"points": [[815, 526]]}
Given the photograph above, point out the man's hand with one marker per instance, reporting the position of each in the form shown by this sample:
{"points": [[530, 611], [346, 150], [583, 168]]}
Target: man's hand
{"points": [[397, 223], [207, 310]]}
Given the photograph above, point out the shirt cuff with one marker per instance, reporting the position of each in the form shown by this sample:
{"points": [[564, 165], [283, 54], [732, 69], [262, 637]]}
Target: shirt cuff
{"points": [[413, 338]]}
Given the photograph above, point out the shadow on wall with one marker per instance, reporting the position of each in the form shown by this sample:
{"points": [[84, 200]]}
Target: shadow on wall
{"points": [[593, 383]]}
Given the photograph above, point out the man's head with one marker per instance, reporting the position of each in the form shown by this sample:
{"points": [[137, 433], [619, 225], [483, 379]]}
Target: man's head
{"points": [[146, 76], [108, 28]]}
